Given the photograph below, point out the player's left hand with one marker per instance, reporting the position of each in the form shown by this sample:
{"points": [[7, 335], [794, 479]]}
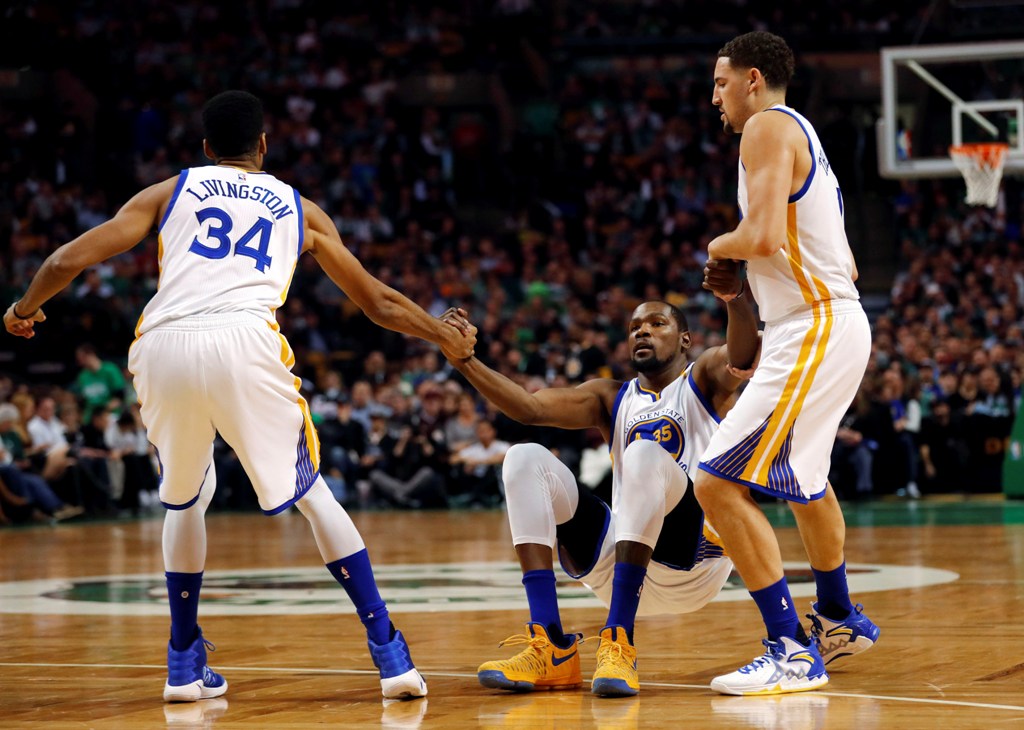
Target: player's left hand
{"points": [[722, 278], [22, 327]]}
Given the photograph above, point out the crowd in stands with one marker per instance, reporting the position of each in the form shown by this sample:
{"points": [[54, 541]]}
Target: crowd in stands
{"points": [[944, 383], [611, 179]]}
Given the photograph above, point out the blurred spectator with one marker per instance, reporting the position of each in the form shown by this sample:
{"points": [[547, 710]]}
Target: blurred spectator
{"points": [[478, 484], [944, 453], [343, 444], [30, 491], [130, 450], [405, 476], [989, 420], [99, 383], [867, 423], [460, 430]]}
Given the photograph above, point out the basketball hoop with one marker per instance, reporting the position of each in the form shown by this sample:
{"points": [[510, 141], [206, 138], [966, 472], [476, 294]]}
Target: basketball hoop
{"points": [[982, 167]]}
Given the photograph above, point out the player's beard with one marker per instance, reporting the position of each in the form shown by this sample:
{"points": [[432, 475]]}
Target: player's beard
{"points": [[648, 364]]}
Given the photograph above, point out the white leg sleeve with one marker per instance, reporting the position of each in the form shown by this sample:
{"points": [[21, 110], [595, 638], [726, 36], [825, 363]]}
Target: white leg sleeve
{"points": [[652, 485], [540, 493], [336, 535], [185, 531]]}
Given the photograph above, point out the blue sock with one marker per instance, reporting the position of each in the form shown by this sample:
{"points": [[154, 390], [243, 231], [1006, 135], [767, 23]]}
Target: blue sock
{"points": [[833, 593], [183, 595], [543, 600], [778, 612], [626, 584], [356, 577]]}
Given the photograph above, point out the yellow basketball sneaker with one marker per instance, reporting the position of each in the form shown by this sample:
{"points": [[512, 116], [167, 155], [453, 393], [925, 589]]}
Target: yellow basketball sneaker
{"points": [[615, 675], [541, 665]]}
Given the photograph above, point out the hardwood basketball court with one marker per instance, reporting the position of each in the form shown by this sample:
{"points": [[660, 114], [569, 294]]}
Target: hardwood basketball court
{"points": [[84, 628]]}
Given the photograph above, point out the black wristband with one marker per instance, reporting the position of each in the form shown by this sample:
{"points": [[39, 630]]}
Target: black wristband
{"points": [[14, 309]]}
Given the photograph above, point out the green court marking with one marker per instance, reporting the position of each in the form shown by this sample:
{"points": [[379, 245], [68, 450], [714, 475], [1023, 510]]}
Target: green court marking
{"points": [[918, 513]]}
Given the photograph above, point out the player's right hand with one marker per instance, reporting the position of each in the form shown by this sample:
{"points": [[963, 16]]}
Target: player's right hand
{"points": [[22, 327], [722, 278]]}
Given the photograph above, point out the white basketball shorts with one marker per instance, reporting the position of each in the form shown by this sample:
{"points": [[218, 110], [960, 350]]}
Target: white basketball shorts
{"points": [[229, 374], [778, 437]]}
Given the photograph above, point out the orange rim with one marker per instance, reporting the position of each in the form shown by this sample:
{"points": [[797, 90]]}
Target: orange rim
{"points": [[990, 152]]}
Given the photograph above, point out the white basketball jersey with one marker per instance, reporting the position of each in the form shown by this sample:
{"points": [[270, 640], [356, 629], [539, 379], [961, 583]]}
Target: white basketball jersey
{"points": [[679, 418], [228, 243], [815, 262]]}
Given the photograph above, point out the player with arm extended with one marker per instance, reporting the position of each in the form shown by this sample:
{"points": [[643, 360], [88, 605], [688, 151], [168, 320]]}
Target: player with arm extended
{"points": [[779, 436], [209, 357], [654, 536]]}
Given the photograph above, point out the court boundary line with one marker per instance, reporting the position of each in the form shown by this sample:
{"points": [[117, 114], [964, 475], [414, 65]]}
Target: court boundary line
{"points": [[463, 675]]}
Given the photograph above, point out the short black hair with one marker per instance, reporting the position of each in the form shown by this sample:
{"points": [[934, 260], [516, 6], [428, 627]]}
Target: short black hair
{"points": [[678, 316], [766, 52], [233, 123]]}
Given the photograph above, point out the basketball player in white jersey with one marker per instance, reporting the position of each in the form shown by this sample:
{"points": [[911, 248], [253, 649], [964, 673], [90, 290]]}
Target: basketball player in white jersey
{"points": [[653, 538], [209, 358], [779, 436]]}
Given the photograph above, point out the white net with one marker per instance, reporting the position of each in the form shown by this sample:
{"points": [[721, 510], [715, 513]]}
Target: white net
{"points": [[982, 168]]}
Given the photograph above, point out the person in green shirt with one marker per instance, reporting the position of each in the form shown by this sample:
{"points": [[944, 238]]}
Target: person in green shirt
{"points": [[99, 383]]}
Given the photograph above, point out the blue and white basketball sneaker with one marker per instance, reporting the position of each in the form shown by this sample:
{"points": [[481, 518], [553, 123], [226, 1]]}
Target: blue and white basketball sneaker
{"points": [[188, 677], [399, 679], [786, 666], [843, 639]]}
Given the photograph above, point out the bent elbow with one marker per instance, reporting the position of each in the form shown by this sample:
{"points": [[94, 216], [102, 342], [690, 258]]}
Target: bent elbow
{"points": [[765, 247]]}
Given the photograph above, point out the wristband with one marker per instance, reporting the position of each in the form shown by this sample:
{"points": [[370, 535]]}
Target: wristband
{"points": [[14, 309]]}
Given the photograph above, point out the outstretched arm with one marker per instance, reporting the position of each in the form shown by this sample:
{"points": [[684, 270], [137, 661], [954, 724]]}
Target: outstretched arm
{"points": [[129, 226], [585, 406], [379, 302]]}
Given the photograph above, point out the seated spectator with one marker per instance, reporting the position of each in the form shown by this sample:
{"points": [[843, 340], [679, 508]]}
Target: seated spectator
{"points": [[48, 449], [363, 403], [906, 420], [99, 383], [460, 430], [329, 391], [989, 419], [30, 490], [342, 446], [15, 509], [943, 450], [130, 450], [90, 478], [866, 425], [375, 455], [405, 476], [478, 478]]}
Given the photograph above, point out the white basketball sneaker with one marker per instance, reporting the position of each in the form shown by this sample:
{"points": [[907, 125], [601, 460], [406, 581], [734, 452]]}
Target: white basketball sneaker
{"points": [[786, 666], [399, 679]]}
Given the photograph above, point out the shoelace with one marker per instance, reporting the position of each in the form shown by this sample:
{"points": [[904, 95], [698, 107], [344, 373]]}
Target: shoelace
{"points": [[535, 657], [209, 644], [763, 660], [539, 646], [611, 647]]}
